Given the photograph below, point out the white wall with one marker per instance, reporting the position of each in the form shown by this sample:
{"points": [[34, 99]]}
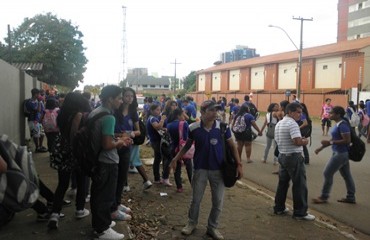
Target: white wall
{"points": [[287, 75], [216, 81], [234, 79], [328, 73], [202, 82], [257, 78]]}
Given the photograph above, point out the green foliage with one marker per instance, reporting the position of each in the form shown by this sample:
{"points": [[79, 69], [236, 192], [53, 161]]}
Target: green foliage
{"points": [[54, 42], [94, 90], [189, 82]]}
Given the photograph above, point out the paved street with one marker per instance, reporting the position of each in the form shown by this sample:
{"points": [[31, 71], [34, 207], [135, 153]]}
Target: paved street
{"points": [[356, 215]]}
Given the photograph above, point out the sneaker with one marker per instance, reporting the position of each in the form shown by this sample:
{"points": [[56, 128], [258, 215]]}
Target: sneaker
{"points": [[132, 169], [188, 229], [285, 211], [43, 217], [112, 224], [66, 203], [214, 233], [42, 149], [319, 200], [147, 185], [87, 199], [110, 234], [120, 216], [124, 209], [166, 182], [53, 221], [308, 217], [126, 189], [180, 190], [61, 215], [82, 213]]}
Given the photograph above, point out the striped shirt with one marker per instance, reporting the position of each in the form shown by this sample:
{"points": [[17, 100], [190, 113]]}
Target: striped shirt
{"points": [[285, 131]]}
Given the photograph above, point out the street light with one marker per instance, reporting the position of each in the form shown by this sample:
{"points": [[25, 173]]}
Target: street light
{"points": [[299, 50]]}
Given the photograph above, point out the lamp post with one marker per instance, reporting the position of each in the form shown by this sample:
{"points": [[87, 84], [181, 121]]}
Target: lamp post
{"points": [[299, 75]]}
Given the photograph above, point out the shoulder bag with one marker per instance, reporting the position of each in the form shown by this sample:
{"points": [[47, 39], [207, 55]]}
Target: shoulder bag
{"points": [[229, 168]]}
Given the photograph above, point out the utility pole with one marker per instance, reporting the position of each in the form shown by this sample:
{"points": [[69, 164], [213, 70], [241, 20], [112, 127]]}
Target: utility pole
{"points": [[174, 85], [10, 45], [124, 46], [300, 56]]}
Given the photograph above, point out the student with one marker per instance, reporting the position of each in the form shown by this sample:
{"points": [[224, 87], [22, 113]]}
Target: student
{"points": [[208, 160], [104, 182]]}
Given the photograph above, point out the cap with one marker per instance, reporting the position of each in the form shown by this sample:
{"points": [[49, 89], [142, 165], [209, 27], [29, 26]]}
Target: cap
{"points": [[209, 104]]}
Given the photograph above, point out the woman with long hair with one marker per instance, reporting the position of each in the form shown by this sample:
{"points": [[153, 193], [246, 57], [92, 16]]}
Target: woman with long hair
{"points": [[303, 123], [127, 122], [69, 119], [173, 123], [244, 139], [339, 161], [271, 117]]}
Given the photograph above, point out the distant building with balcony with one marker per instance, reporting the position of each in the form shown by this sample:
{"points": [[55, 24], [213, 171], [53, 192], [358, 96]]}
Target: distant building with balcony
{"points": [[239, 53], [138, 79], [353, 19]]}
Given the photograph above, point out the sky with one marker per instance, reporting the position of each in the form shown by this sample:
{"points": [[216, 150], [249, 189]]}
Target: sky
{"points": [[193, 33]]}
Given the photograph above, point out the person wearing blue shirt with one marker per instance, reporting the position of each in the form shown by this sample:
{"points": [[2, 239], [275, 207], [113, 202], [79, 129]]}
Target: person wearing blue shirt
{"points": [[154, 124], [174, 120], [190, 110], [341, 138], [208, 160]]}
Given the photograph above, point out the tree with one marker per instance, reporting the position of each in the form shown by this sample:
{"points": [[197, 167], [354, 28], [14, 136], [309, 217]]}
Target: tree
{"points": [[54, 42], [190, 81], [94, 90]]}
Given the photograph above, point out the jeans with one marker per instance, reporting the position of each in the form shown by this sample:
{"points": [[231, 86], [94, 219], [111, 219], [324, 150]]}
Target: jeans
{"points": [[123, 165], [157, 160], [199, 183], [338, 161], [292, 168], [269, 142], [103, 188]]}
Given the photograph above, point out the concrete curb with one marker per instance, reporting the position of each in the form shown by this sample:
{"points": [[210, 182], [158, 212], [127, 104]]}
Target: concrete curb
{"points": [[244, 185]]}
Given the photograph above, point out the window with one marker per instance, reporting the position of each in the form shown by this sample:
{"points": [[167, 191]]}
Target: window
{"points": [[340, 65], [256, 73], [152, 86], [166, 86], [324, 67], [360, 6], [285, 71], [145, 85]]}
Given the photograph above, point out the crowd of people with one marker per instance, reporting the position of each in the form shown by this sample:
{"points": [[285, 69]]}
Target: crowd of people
{"points": [[173, 128]]}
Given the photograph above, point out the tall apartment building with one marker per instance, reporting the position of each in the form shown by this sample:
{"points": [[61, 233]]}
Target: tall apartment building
{"points": [[353, 19], [239, 53]]}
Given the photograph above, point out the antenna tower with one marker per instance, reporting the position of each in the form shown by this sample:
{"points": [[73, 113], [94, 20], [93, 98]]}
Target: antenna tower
{"points": [[124, 46]]}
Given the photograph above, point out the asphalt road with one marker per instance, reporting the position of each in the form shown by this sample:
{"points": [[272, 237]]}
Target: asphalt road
{"points": [[355, 215]]}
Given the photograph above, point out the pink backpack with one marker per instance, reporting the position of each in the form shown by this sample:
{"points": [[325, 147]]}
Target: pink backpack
{"points": [[190, 153], [49, 122]]}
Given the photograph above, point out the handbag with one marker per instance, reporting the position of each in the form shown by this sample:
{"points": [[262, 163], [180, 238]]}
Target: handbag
{"points": [[271, 128], [230, 166], [190, 153]]}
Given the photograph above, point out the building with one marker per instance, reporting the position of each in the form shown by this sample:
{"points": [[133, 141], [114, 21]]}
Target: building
{"points": [[327, 71], [239, 53], [138, 79], [353, 19]]}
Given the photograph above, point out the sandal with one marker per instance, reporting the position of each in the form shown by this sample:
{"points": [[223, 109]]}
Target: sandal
{"points": [[319, 200], [346, 200]]}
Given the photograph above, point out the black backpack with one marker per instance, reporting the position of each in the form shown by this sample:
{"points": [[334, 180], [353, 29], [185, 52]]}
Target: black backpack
{"points": [[357, 147], [83, 147], [138, 140]]}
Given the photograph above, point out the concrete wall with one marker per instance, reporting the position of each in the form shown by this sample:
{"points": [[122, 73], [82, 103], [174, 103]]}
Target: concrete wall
{"points": [[15, 86]]}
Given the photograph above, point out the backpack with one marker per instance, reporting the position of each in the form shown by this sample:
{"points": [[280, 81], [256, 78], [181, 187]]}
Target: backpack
{"points": [[190, 153], [49, 122], [229, 165], [26, 112], [19, 184], [138, 140], [253, 110], [357, 147], [239, 125], [307, 130], [355, 118], [83, 147]]}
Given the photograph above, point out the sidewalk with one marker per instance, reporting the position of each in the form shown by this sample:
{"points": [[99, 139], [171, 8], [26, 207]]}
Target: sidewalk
{"points": [[247, 214]]}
